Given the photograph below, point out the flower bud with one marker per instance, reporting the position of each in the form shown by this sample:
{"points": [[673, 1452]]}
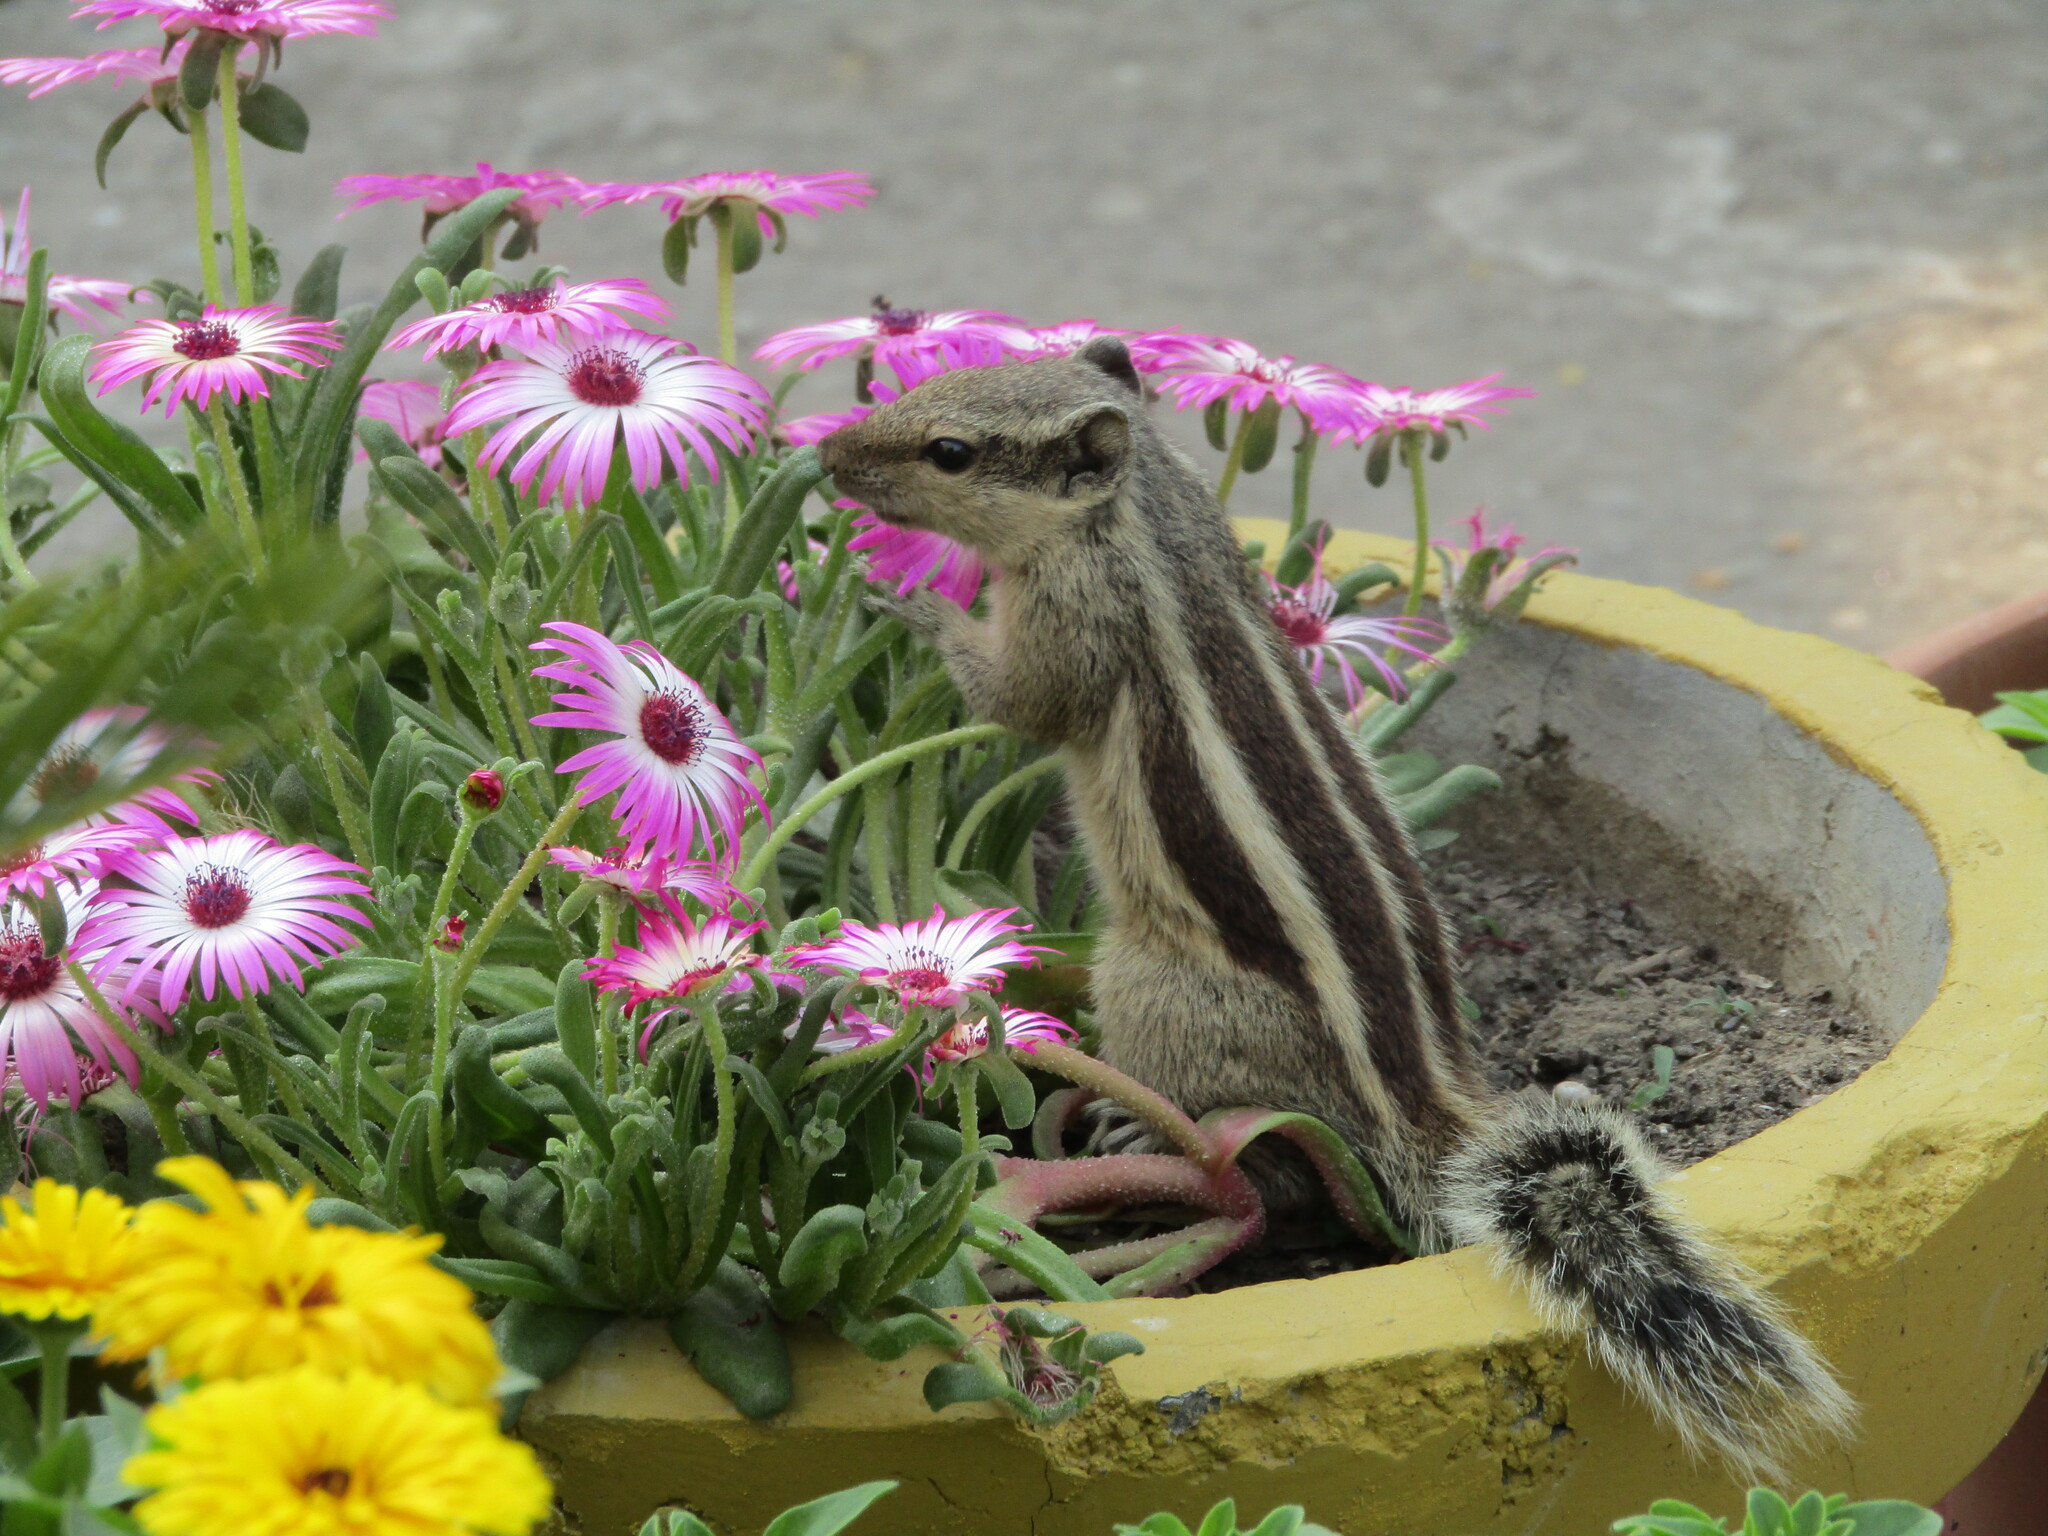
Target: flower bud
{"points": [[449, 940], [483, 791]]}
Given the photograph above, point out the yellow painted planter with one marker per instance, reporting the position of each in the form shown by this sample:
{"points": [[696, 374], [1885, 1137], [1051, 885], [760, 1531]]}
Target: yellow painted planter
{"points": [[1837, 818]]}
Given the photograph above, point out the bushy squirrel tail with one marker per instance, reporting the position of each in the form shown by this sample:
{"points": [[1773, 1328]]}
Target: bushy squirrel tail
{"points": [[1566, 1195]]}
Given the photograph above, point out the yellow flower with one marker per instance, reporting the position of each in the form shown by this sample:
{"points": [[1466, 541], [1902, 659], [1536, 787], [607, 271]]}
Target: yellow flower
{"points": [[252, 1287], [63, 1257], [307, 1454]]}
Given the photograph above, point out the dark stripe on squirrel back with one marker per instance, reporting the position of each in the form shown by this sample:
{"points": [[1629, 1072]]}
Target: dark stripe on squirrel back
{"points": [[1346, 894], [1211, 862], [1424, 927]]}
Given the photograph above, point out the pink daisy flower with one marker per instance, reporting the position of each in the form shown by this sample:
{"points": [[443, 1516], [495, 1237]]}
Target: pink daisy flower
{"points": [[45, 1018], [1406, 410], [225, 351], [1023, 1028], [542, 192], [1307, 616], [802, 431], [146, 66], [692, 196], [76, 853], [520, 317], [649, 875], [412, 408], [116, 744], [1513, 570], [676, 955], [69, 294], [964, 335], [913, 557], [851, 1030], [575, 400], [237, 911], [1199, 370], [680, 771], [245, 18], [1062, 340], [937, 961]]}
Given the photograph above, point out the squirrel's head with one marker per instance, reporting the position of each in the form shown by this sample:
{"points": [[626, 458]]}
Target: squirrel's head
{"points": [[1004, 460]]}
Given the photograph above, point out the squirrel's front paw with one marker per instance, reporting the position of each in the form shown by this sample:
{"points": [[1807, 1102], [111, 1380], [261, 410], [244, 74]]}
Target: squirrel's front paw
{"points": [[920, 610]]}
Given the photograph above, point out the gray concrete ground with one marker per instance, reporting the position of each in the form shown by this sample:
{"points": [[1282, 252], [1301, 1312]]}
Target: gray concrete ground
{"points": [[1774, 266]]}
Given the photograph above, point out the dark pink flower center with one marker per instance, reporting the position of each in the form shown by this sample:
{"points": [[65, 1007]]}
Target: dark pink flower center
{"points": [[524, 301], [962, 1040], [25, 971], [21, 860], [216, 896], [68, 771], [1301, 624], [673, 728], [205, 341], [897, 322], [604, 377], [919, 970], [232, 7]]}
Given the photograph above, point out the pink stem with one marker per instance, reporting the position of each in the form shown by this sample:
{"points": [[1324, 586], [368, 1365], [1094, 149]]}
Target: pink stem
{"points": [[1155, 1110]]}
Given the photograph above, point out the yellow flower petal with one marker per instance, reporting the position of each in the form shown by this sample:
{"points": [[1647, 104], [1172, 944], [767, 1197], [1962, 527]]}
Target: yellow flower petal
{"points": [[250, 1287], [65, 1255], [308, 1454]]}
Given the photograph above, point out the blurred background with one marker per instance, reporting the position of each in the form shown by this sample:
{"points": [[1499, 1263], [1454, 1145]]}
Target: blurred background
{"points": [[1776, 270]]}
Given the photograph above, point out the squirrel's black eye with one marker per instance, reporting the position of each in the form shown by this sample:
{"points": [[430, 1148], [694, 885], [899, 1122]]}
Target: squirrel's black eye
{"points": [[948, 454]]}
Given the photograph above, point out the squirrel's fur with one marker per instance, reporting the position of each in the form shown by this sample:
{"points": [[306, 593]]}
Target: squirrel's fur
{"points": [[1271, 941]]}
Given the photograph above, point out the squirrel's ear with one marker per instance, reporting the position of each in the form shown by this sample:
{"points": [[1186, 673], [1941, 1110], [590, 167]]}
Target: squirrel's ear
{"points": [[1114, 358], [1095, 448]]}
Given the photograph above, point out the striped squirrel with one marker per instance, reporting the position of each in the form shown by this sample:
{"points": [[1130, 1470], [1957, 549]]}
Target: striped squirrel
{"points": [[1271, 941]]}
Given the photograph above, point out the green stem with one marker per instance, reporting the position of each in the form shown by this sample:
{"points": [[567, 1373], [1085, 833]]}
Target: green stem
{"points": [[195, 1087], [10, 432], [728, 342], [444, 896], [443, 967], [861, 1055], [970, 1116], [706, 1007], [483, 487], [287, 1090], [53, 1340], [876, 804], [269, 477], [10, 552], [510, 897], [520, 711], [202, 195], [1234, 461], [886, 762], [1411, 444], [163, 1114], [220, 518], [1304, 466], [921, 835], [608, 1025], [230, 92], [986, 805], [728, 348], [238, 488], [328, 748]]}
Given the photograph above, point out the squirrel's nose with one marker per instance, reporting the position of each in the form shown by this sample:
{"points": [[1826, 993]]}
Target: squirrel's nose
{"points": [[833, 452]]}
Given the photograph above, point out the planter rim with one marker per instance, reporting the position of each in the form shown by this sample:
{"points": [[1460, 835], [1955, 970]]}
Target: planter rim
{"points": [[1839, 1189]]}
